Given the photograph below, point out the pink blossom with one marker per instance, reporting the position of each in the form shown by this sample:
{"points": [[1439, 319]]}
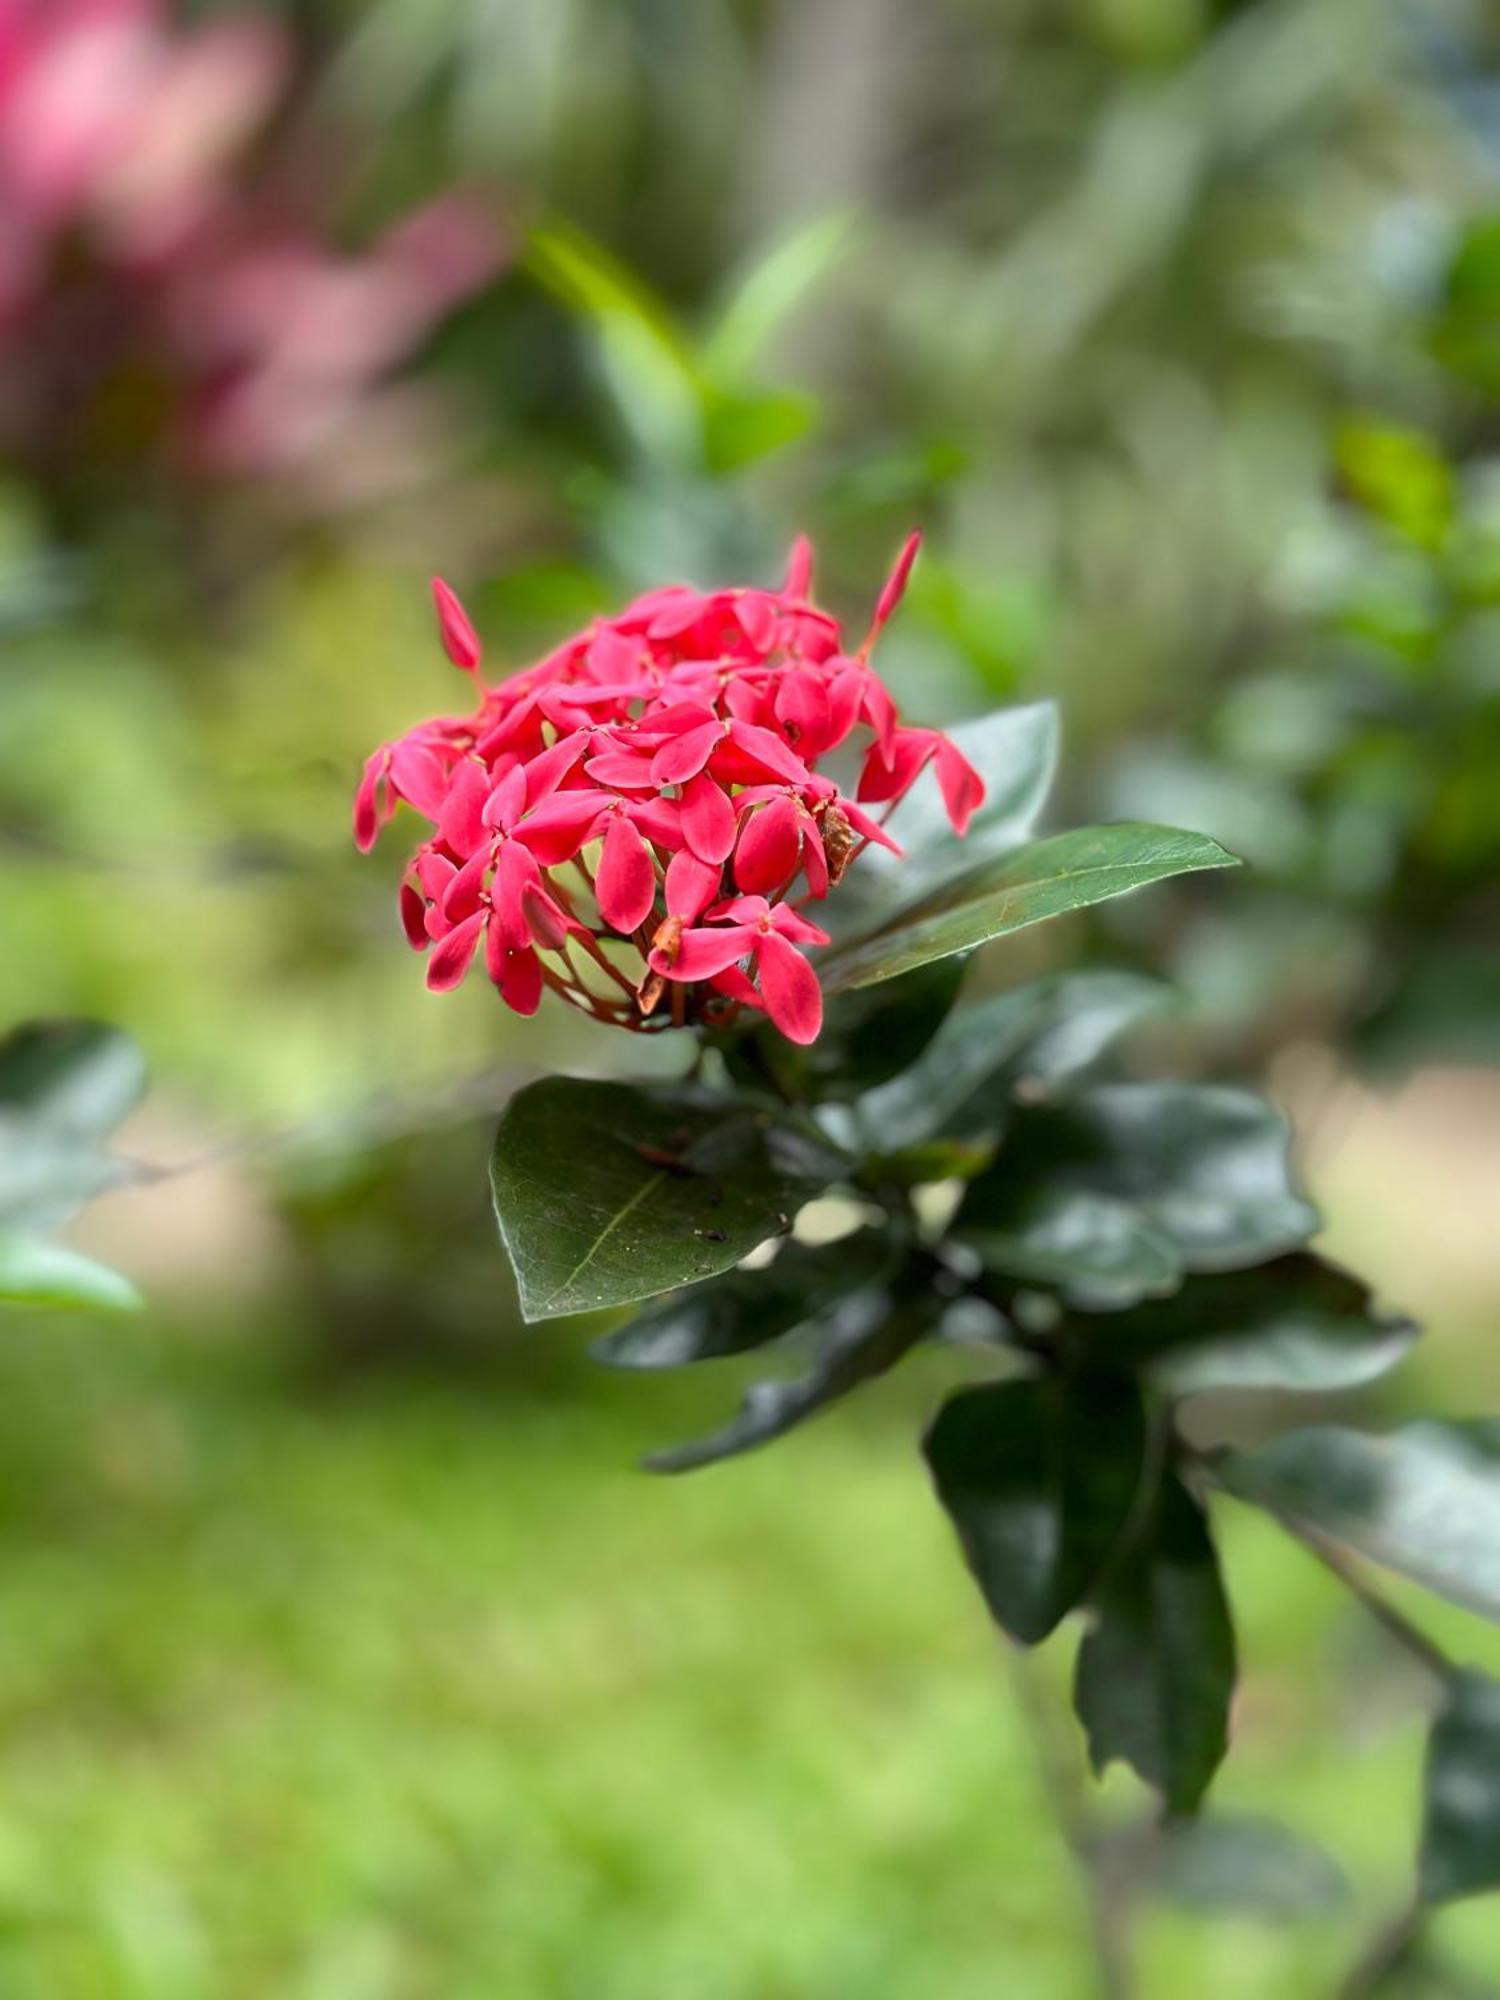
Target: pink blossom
{"points": [[638, 820]]}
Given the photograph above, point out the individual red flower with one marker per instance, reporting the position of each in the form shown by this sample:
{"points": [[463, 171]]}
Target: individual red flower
{"points": [[638, 821]]}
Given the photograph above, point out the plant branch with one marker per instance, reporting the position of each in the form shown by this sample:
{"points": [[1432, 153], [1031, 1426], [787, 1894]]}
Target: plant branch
{"points": [[1104, 1893], [380, 1119], [1338, 1561]]}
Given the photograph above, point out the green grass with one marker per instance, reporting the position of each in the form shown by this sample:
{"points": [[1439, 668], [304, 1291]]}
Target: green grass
{"points": [[417, 1688]]}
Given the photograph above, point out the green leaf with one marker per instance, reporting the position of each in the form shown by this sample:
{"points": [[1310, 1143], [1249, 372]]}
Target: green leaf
{"points": [[1038, 1478], [1014, 751], [1233, 1865], [1424, 1500], [35, 1272], [1030, 1041], [740, 1310], [1049, 878], [74, 1077], [867, 1037], [1156, 1668], [606, 1193], [862, 1336], [1293, 1324], [1203, 1163], [64, 1086], [1460, 1853], [646, 362], [1096, 1250], [770, 291]]}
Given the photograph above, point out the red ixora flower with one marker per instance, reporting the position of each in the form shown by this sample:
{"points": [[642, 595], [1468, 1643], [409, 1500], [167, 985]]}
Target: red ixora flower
{"points": [[639, 821]]}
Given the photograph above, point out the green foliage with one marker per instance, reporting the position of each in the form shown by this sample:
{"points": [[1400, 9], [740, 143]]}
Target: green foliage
{"points": [[64, 1087], [1039, 1479], [608, 1193], [1049, 878], [1461, 1824], [1424, 1500], [1156, 1670]]}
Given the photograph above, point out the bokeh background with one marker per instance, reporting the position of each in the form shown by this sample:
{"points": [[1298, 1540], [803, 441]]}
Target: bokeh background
{"points": [[343, 1652]]}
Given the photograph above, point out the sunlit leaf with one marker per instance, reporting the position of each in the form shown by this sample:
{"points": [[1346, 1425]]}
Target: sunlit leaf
{"points": [[35, 1272]]}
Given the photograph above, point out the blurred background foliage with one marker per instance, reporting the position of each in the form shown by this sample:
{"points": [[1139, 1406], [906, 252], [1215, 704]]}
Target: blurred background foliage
{"points": [[1176, 324]]}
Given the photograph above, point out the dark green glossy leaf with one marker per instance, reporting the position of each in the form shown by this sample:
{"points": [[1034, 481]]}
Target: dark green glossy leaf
{"points": [[867, 1037], [1095, 1249], [1223, 1865], [606, 1193], [1032, 1041], [1156, 1668], [35, 1272], [863, 1336], [1014, 750], [740, 1310], [1049, 878], [1424, 1500], [1205, 1164], [1295, 1323], [1461, 1819], [1038, 1478]]}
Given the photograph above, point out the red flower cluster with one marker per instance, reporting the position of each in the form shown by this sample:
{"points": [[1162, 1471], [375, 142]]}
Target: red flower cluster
{"points": [[639, 821]]}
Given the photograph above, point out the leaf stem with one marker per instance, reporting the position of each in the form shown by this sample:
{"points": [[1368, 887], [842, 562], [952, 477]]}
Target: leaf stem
{"points": [[1104, 1891], [1337, 1559]]}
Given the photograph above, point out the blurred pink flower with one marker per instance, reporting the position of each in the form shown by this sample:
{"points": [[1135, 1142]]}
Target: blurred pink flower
{"points": [[131, 236]]}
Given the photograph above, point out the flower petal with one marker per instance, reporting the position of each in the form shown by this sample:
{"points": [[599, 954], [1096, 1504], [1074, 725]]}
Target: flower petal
{"points": [[770, 847], [691, 886], [704, 952], [461, 822], [707, 819], [961, 785], [625, 884], [419, 776], [683, 757], [450, 958], [561, 825], [515, 871], [895, 584], [460, 640], [766, 748], [793, 997], [368, 800]]}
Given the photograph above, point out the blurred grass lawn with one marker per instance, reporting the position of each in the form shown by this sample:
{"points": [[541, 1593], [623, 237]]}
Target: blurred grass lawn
{"points": [[413, 1687]]}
